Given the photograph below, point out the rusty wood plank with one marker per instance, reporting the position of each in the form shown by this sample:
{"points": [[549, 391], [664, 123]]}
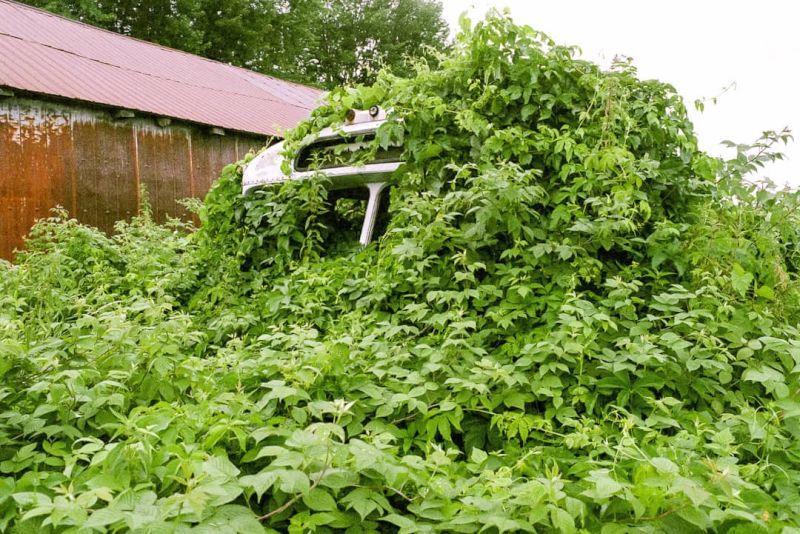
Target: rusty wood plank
{"points": [[137, 178], [60, 160], [26, 192], [205, 154], [11, 197], [105, 163], [164, 170], [32, 174], [192, 183], [209, 155], [35, 167], [228, 152], [53, 154], [248, 144]]}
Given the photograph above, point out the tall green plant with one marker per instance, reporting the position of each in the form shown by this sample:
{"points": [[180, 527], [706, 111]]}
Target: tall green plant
{"points": [[576, 322]]}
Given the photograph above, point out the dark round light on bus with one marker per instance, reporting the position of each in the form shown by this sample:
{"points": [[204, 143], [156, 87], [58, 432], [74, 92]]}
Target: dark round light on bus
{"points": [[350, 115], [373, 111]]}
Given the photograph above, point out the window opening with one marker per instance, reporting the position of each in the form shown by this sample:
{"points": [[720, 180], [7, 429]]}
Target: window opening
{"points": [[342, 152], [357, 216]]}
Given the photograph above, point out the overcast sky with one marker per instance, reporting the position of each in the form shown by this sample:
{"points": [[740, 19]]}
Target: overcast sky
{"points": [[699, 46]]}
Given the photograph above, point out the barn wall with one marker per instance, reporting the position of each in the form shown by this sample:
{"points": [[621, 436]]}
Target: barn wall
{"points": [[56, 154]]}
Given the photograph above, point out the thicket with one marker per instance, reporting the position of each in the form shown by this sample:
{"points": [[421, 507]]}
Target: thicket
{"points": [[576, 321]]}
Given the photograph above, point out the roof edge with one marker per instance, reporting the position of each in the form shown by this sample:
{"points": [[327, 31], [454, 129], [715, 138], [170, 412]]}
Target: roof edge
{"points": [[158, 45], [95, 106]]}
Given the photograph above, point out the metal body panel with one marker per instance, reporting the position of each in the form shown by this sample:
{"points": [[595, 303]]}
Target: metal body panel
{"points": [[266, 169], [371, 213]]}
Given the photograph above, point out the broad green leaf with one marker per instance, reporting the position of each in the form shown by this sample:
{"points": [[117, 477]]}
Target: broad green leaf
{"points": [[319, 500], [740, 279], [292, 481], [104, 517], [260, 482]]}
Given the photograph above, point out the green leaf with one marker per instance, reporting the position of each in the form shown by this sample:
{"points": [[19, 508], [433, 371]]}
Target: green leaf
{"points": [[515, 399], [104, 517], [319, 500], [605, 487], [365, 501], [260, 482], [231, 518], [664, 465], [561, 520], [765, 292], [694, 491], [478, 456], [763, 374], [292, 481], [740, 279]]}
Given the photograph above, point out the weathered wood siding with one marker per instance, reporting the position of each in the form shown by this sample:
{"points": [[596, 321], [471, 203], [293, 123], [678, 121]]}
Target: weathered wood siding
{"points": [[56, 154]]}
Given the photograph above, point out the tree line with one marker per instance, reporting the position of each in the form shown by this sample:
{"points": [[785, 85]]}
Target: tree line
{"points": [[320, 42]]}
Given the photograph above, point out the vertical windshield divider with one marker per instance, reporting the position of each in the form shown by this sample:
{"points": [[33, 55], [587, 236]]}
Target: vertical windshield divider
{"points": [[371, 214]]}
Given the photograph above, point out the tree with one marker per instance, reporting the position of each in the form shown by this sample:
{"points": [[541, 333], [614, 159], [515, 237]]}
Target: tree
{"points": [[169, 23], [359, 37], [322, 42], [234, 30]]}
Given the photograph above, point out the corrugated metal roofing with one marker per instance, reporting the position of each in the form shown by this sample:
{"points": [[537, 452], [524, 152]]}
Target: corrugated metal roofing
{"points": [[46, 53]]}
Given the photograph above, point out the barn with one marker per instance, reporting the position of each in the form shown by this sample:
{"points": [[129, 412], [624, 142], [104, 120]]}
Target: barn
{"points": [[88, 116]]}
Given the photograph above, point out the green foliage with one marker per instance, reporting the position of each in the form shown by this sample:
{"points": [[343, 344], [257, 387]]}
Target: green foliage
{"points": [[320, 42], [353, 39], [576, 321]]}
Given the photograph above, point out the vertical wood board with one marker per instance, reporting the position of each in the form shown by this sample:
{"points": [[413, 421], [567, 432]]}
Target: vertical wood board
{"points": [[106, 191], [164, 170], [78, 157]]}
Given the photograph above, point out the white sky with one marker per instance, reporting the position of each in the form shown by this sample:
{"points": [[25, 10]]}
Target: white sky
{"points": [[699, 46]]}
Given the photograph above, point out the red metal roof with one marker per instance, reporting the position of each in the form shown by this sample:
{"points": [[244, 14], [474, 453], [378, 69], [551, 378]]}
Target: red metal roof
{"points": [[46, 53]]}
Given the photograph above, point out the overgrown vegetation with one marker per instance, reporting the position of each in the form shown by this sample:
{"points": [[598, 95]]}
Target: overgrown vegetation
{"points": [[576, 321]]}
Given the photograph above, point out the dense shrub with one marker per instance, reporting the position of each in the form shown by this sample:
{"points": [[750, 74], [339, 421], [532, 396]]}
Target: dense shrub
{"points": [[576, 321]]}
